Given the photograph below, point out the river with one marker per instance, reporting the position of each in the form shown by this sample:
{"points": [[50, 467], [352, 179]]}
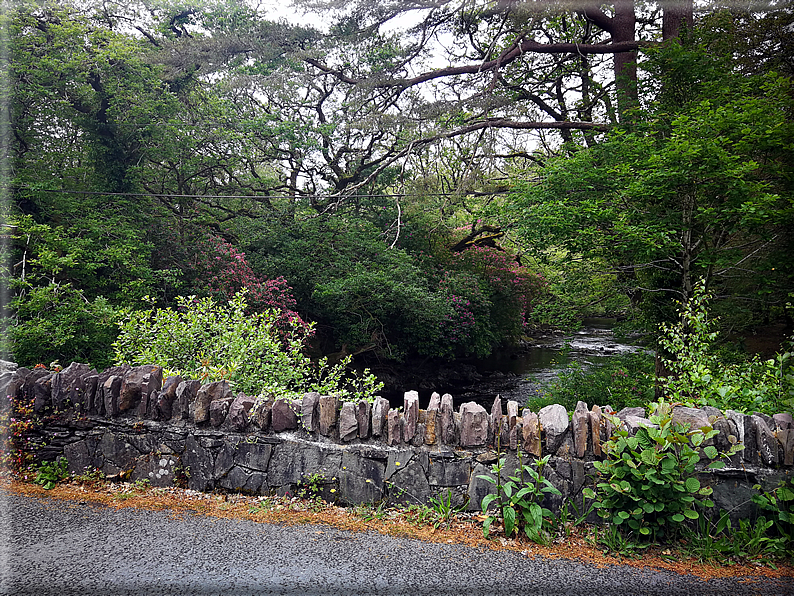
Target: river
{"points": [[517, 373]]}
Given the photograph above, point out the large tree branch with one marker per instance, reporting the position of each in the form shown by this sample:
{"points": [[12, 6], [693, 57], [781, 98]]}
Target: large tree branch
{"points": [[387, 160], [506, 58], [596, 16], [517, 125]]}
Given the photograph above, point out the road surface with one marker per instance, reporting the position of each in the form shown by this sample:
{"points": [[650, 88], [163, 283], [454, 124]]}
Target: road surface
{"points": [[58, 548]]}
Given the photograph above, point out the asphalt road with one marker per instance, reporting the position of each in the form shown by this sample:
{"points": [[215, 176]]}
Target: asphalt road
{"points": [[51, 547]]}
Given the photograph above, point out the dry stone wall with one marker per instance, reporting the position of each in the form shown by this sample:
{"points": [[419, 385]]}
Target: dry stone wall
{"points": [[131, 422]]}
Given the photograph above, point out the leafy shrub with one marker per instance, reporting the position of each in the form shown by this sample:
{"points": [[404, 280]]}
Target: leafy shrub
{"points": [[50, 473], [648, 481], [18, 429], [391, 311], [57, 322], [209, 341], [67, 283], [699, 377], [624, 380], [519, 500], [780, 504]]}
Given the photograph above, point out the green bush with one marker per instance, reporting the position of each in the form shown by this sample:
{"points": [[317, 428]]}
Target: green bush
{"points": [[700, 377], [648, 481], [519, 500], [254, 353], [624, 380], [50, 473]]}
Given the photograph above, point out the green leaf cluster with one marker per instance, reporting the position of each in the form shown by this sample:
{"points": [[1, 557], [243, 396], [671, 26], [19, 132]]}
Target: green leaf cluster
{"points": [[204, 340], [50, 473], [649, 481], [699, 375], [519, 500]]}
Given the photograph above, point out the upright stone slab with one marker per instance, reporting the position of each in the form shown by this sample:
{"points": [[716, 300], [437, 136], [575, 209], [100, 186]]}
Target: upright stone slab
{"points": [[766, 442], [146, 406], [419, 435], [737, 418], [164, 407], [93, 395], [67, 385], [473, 425], [554, 423], [310, 411], [783, 421], [447, 420], [42, 391], [380, 411], [579, 423], [282, 416], [751, 453], [496, 419], [435, 402], [512, 424], [512, 413], [788, 448], [238, 411], [348, 424], [219, 410], [110, 396], [531, 433], [513, 436], [363, 417], [140, 381], [328, 407], [596, 429], [205, 396], [394, 426], [432, 420], [185, 396], [410, 414], [262, 413]]}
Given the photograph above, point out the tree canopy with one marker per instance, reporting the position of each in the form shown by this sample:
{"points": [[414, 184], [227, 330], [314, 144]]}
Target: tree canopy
{"points": [[419, 179]]}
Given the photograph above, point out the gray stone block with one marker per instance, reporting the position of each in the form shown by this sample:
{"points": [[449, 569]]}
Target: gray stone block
{"points": [[282, 416], [290, 462], [310, 412], [474, 425], [242, 480], [443, 472], [554, 423], [361, 480], [348, 423]]}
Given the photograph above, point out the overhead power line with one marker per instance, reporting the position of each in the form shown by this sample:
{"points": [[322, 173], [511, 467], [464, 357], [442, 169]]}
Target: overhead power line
{"points": [[281, 196]]}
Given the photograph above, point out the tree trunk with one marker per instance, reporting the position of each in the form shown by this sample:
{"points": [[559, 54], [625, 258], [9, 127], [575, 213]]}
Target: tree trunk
{"points": [[623, 29], [677, 14]]}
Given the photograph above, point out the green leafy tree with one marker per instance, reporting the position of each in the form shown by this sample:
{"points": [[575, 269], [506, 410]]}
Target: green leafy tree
{"points": [[698, 187]]}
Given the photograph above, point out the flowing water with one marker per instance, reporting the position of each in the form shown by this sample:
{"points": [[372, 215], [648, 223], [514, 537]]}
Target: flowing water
{"points": [[518, 374]]}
